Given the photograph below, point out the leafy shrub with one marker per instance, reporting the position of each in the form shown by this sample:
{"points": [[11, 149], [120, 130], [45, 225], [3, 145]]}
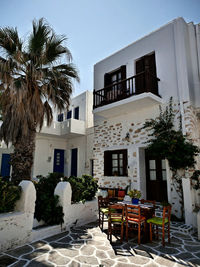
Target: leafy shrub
{"points": [[47, 208], [9, 194], [83, 188]]}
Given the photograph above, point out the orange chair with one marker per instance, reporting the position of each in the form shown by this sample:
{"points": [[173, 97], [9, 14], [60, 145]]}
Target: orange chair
{"points": [[116, 220], [133, 216], [162, 223]]}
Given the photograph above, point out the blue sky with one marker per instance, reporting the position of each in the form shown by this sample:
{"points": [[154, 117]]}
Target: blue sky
{"points": [[96, 28]]}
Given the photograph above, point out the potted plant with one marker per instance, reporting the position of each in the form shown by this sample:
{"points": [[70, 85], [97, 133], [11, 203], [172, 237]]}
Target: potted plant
{"points": [[135, 195]]}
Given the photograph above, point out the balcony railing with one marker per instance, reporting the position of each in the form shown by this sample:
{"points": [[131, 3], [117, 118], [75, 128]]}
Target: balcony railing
{"points": [[137, 84]]}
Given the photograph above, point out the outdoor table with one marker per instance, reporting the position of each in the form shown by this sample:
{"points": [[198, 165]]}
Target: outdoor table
{"points": [[147, 210]]}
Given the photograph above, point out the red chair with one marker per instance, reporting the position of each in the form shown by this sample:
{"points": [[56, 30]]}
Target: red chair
{"points": [[133, 216]]}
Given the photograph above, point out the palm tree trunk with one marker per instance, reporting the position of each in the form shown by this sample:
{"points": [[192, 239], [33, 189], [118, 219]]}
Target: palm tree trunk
{"points": [[22, 157]]}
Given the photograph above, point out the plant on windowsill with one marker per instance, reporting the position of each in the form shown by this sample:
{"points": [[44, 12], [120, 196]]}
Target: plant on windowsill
{"points": [[168, 143], [135, 195]]}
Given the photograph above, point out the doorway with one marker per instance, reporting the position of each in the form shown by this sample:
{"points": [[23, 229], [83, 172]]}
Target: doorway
{"points": [[74, 159], [58, 165], [156, 178], [5, 165]]}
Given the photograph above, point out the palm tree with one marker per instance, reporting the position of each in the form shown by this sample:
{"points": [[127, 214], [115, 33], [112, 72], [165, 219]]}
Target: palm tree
{"points": [[33, 79]]}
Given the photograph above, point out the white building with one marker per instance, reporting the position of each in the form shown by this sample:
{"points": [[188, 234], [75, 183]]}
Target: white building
{"points": [[129, 86], [65, 146]]}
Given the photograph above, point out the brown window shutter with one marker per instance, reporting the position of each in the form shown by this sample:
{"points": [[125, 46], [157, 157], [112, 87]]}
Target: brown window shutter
{"points": [[123, 77], [107, 163], [123, 72], [125, 163], [150, 68], [140, 81], [106, 79]]}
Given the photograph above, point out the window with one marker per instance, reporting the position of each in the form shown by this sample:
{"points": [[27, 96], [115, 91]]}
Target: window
{"points": [[69, 114], [115, 77], [115, 163], [60, 117], [76, 113]]}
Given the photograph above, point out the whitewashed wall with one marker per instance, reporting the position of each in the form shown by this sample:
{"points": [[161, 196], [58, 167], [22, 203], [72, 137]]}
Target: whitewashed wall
{"points": [[16, 227], [44, 153]]}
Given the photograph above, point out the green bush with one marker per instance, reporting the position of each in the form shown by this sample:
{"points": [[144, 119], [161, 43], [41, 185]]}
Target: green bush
{"points": [[47, 207], [83, 188], [9, 194]]}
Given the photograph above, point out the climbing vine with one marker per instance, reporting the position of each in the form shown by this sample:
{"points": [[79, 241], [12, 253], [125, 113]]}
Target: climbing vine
{"points": [[167, 142]]}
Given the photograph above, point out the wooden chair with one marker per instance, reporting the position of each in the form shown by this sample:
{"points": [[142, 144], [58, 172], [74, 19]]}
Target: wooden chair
{"points": [[116, 220], [133, 216], [103, 210], [145, 201], [162, 223], [152, 202]]}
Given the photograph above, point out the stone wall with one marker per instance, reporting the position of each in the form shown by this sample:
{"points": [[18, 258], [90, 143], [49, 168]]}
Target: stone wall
{"points": [[110, 134]]}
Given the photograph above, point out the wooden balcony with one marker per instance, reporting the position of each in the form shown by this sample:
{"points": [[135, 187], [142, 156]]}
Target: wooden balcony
{"points": [[143, 82]]}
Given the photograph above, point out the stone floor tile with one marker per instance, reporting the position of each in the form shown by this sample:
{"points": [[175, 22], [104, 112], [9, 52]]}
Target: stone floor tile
{"points": [[194, 262], [38, 252], [20, 251], [139, 260], [66, 239], [19, 263], [56, 245], [84, 236], [192, 243], [95, 243], [197, 254], [6, 260], [38, 244], [87, 250], [101, 254], [143, 251], [56, 237], [70, 252], [57, 259], [40, 262], [164, 262], [121, 259], [182, 236], [87, 260], [74, 264], [192, 248], [119, 264], [152, 264], [107, 263], [167, 250], [175, 240], [184, 256]]}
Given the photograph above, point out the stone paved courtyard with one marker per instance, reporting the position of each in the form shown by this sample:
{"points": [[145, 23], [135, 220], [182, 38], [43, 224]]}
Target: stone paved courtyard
{"points": [[87, 246]]}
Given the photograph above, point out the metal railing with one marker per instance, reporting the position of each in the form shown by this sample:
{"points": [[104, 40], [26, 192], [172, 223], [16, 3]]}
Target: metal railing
{"points": [[137, 84]]}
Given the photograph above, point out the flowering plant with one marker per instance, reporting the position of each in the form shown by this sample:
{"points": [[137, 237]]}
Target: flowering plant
{"points": [[134, 193]]}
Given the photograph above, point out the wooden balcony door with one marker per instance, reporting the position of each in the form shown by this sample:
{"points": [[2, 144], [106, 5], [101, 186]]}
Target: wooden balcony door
{"points": [[112, 81], [156, 179], [146, 82]]}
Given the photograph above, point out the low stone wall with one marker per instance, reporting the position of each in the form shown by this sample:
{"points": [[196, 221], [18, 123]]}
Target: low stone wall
{"points": [[16, 227], [78, 213]]}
